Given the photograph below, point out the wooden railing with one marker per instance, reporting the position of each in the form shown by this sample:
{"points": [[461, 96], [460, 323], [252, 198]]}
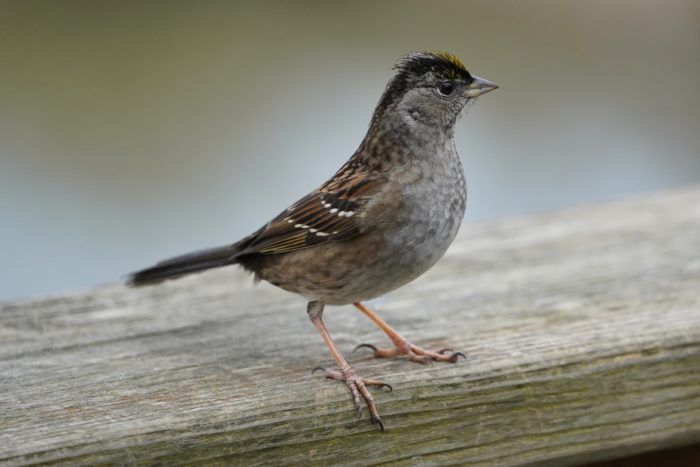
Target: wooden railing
{"points": [[581, 329]]}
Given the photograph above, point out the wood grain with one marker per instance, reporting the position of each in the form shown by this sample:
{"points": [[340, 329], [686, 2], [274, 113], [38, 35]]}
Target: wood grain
{"points": [[581, 329]]}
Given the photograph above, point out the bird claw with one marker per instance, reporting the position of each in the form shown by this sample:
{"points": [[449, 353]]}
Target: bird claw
{"points": [[369, 346], [378, 421], [455, 356]]}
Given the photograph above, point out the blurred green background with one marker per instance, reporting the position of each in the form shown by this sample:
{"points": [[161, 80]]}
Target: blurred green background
{"points": [[131, 131]]}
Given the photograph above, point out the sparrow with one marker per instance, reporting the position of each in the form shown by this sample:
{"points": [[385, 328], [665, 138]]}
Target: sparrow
{"points": [[385, 217]]}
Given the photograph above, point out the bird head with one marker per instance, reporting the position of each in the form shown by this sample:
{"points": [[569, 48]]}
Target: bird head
{"points": [[430, 89]]}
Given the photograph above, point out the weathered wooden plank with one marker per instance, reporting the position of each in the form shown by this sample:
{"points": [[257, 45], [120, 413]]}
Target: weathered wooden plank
{"points": [[582, 330]]}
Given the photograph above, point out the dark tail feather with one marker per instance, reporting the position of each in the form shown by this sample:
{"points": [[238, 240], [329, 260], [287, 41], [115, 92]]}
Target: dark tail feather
{"points": [[185, 264]]}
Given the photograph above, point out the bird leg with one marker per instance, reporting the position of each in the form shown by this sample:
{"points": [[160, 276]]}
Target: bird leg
{"points": [[356, 385], [403, 346]]}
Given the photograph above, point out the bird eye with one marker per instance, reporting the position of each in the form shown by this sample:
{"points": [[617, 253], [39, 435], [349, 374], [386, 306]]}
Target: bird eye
{"points": [[446, 88]]}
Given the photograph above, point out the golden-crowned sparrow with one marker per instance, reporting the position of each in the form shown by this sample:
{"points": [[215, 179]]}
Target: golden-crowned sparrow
{"points": [[381, 221]]}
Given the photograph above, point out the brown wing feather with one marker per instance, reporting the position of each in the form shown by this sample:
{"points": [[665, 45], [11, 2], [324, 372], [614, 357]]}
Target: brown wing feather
{"points": [[331, 213]]}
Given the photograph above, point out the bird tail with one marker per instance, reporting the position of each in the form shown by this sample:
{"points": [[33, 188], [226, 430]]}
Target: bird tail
{"points": [[185, 264]]}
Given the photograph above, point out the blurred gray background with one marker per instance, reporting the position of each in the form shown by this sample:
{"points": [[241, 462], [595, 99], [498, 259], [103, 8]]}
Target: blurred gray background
{"points": [[131, 131]]}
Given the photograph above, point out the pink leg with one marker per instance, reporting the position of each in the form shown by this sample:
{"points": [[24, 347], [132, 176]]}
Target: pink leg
{"points": [[356, 385]]}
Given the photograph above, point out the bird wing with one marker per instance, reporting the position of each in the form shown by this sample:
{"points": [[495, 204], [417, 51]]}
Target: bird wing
{"points": [[331, 213]]}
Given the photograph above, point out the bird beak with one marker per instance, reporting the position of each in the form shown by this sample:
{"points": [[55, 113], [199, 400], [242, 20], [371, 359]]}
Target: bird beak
{"points": [[479, 86]]}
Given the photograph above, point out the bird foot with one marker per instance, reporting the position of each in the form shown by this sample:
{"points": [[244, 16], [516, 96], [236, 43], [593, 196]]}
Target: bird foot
{"points": [[358, 387], [414, 353]]}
